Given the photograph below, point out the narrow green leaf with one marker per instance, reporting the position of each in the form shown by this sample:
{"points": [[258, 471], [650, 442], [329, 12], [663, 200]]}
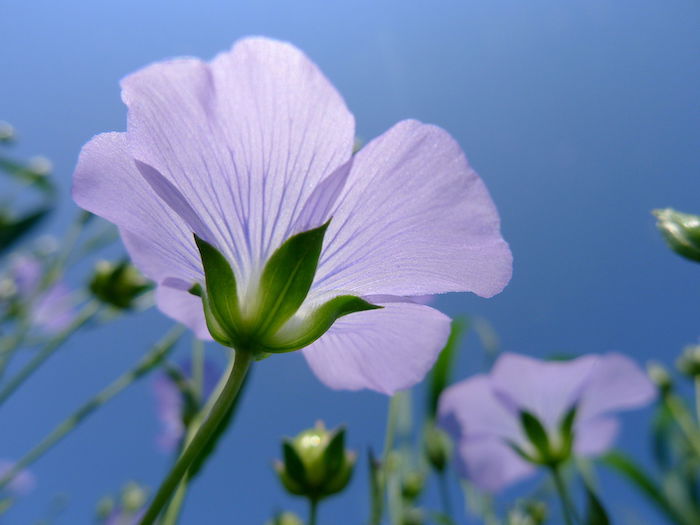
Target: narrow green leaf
{"points": [[440, 374], [536, 434], [293, 465], [221, 290], [334, 455], [12, 230], [640, 479], [595, 512], [376, 488], [291, 338], [287, 278]]}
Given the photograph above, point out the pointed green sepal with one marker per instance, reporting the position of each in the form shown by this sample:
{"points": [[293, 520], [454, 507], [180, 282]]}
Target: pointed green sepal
{"points": [[334, 454], [287, 278], [566, 432], [536, 435], [297, 335], [293, 465]]}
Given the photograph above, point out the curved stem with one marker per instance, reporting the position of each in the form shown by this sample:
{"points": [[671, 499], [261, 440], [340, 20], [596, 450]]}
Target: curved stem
{"points": [[88, 313], [197, 447], [568, 508], [150, 361], [313, 511]]}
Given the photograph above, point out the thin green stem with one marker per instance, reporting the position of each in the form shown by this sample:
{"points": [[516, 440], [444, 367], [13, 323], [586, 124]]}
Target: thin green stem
{"points": [[313, 511], [197, 447], [684, 420], [696, 384], [85, 315], [567, 505], [155, 356]]}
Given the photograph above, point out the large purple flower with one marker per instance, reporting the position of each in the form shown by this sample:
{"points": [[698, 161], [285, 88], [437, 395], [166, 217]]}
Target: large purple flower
{"points": [[256, 146], [483, 413]]}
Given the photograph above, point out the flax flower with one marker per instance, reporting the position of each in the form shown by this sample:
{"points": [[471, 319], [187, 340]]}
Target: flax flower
{"points": [[256, 146], [484, 412]]}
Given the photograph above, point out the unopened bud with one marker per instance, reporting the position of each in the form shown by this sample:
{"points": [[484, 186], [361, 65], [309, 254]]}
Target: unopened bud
{"points": [[117, 285], [681, 231], [438, 447], [104, 508], [285, 518], [689, 361], [316, 464], [412, 485], [660, 376], [134, 497], [7, 132]]}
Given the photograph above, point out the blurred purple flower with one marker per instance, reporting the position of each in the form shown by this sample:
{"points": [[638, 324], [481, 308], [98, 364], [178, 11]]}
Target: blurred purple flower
{"points": [[123, 517], [51, 310], [255, 146], [170, 404], [482, 413], [23, 482]]}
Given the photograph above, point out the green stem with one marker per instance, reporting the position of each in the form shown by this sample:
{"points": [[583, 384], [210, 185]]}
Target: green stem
{"points": [[568, 508], [87, 313], [197, 447], [445, 493], [684, 420], [696, 384], [145, 365], [313, 511]]}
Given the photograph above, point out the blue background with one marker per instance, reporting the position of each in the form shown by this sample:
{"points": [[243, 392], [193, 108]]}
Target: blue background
{"points": [[581, 116]]}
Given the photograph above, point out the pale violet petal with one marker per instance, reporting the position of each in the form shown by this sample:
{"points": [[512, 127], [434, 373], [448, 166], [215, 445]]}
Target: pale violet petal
{"points": [[617, 383], [185, 308], [107, 183], [592, 437], [245, 140], [491, 464], [547, 389], [384, 350], [413, 218]]}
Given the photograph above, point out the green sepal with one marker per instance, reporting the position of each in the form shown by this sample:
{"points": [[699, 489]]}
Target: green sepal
{"points": [[220, 296], [566, 432], [536, 435], [13, 229], [441, 372], [334, 454], [293, 465], [297, 336], [595, 512], [287, 278]]}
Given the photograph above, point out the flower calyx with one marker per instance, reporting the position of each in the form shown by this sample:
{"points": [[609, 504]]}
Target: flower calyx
{"points": [[544, 449], [268, 324]]}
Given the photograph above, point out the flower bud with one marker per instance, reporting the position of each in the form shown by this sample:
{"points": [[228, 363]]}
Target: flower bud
{"points": [[681, 231], [104, 508], [438, 447], [117, 285], [689, 361], [660, 376], [316, 464], [134, 497], [285, 518], [7, 132], [529, 513], [412, 485], [413, 517]]}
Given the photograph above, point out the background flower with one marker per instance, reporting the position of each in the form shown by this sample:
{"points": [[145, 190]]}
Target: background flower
{"points": [[256, 146], [482, 413]]}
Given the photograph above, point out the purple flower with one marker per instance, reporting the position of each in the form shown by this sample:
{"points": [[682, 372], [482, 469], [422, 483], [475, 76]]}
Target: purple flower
{"points": [[256, 146], [170, 404], [50, 310], [124, 517], [482, 413], [22, 483]]}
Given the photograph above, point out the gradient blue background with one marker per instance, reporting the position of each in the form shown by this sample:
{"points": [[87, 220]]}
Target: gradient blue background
{"points": [[581, 116]]}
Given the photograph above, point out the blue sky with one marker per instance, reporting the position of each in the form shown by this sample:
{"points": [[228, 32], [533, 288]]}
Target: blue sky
{"points": [[580, 116]]}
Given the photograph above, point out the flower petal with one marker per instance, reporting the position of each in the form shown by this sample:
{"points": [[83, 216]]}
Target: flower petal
{"points": [[245, 140], [491, 464], [595, 436], [185, 308], [472, 410], [617, 383], [384, 350], [412, 219], [547, 389], [108, 183]]}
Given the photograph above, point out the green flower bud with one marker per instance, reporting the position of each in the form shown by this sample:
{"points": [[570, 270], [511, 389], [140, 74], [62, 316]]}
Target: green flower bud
{"points": [[412, 485], [316, 464], [528, 513], [7, 132], [104, 508], [134, 497], [689, 361], [285, 518], [660, 377], [438, 447], [413, 517], [117, 285], [681, 231]]}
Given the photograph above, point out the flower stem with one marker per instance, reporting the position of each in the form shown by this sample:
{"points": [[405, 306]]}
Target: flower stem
{"points": [[313, 511], [445, 493], [87, 313], [685, 421], [198, 446], [150, 361], [568, 508]]}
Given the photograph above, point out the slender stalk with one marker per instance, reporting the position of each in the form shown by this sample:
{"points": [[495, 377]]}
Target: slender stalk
{"points": [[696, 383], [684, 420], [197, 447], [313, 511], [154, 357], [445, 493], [380, 479], [568, 508], [87, 313]]}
